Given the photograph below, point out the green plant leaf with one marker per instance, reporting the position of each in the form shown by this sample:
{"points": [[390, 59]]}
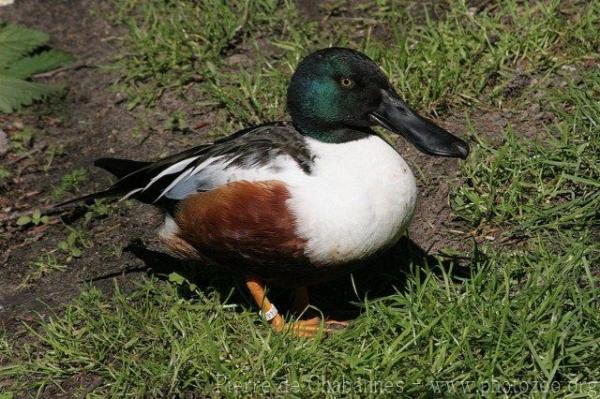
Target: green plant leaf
{"points": [[37, 214], [176, 278], [23, 220], [15, 93], [38, 63], [17, 62], [4, 173], [16, 40]]}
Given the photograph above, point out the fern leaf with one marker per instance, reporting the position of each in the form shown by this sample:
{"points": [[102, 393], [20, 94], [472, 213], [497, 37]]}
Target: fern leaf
{"points": [[15, 93], [16, 40], [42, 62]]}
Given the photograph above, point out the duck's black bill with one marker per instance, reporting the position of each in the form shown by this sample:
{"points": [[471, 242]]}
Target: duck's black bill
{"points": [[394, 115]]}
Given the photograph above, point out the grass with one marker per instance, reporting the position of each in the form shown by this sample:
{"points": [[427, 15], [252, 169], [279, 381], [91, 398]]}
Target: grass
{"points": [[170, 42], [479, 55], [511, 321], [69, 183], [43, 265], [525, 321], [547, 183]]}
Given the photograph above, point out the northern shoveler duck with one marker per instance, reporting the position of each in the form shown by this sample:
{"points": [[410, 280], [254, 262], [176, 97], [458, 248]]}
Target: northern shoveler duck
{"points": [[294, 204]]}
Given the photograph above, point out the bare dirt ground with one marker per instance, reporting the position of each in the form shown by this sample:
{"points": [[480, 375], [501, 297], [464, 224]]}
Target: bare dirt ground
{"points": [[89, 122], [92, 120]]}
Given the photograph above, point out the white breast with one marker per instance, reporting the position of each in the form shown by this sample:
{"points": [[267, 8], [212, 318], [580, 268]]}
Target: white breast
{"points": [[358, 199]]}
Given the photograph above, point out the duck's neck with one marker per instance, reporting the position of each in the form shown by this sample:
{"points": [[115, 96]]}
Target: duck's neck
{"points": [[333, 135]]}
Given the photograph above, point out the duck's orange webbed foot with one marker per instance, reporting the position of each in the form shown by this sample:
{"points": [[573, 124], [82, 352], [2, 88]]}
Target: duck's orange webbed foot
{"points": [[299, 328]]}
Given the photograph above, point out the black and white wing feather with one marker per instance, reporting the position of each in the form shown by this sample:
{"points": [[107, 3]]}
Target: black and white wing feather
{"points": [[204, 167]]}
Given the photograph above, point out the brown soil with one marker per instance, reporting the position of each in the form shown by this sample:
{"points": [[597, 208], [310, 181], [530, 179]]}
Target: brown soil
{"points": [[91, 121]]}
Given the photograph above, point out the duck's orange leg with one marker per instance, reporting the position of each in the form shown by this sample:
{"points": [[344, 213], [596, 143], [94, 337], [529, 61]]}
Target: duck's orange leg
{"points": [[299, 328]]}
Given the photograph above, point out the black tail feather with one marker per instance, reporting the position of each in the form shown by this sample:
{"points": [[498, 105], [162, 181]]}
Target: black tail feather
{"points": [[135, 175], [120, 167]]}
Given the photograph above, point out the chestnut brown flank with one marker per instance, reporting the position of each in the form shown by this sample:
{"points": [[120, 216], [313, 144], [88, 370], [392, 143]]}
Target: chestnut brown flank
{"points": [[242, 222]]}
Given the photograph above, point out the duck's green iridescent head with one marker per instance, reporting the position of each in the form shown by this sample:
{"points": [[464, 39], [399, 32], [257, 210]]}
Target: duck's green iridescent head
{"points": [[337, 94]]}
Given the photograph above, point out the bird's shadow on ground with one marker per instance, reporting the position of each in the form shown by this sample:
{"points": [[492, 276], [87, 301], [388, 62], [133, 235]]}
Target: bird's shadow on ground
{"points": [[340, 299]]}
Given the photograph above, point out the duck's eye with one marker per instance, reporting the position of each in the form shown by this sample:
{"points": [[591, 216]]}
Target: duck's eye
{"points": [[347, 83]]}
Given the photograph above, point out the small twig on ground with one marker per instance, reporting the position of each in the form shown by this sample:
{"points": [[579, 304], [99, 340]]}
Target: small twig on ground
{"points": [[76, 66], [371, 21], [28, 154], [5, 257]]}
